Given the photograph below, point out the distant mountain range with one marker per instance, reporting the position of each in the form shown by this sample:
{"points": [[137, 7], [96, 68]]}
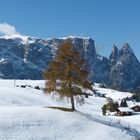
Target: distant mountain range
{"points": [[23, 57]]}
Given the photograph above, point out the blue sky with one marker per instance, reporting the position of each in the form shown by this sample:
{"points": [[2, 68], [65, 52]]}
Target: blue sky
{"points": [[108, 22]]}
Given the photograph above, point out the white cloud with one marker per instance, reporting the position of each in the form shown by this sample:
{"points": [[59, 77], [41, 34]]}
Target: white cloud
{"points": [[7, 29]]}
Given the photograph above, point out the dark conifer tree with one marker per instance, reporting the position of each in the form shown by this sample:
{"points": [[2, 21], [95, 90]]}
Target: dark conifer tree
{"points": [[123, 103]]}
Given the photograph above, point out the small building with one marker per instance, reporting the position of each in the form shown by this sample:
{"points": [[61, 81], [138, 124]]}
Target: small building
{"points": [[124, 111], [136, 108]]}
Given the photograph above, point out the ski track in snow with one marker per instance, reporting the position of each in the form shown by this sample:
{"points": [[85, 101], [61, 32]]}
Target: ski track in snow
{"points": [[130, 131]]}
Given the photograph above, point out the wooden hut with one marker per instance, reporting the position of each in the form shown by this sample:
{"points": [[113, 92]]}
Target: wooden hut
{"points": [[124, 111], [136, 108]]}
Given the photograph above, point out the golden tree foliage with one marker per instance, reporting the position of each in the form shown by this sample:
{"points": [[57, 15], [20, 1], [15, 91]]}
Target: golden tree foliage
{"points": [[67, 74]]}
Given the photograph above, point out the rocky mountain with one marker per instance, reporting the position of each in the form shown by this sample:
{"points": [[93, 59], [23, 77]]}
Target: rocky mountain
{"points": [[124, 71], [23, 57]]}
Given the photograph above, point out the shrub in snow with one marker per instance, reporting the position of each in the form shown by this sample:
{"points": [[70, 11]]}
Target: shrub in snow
{"points": [[104, 109], [23, 86], [110, 106], [37, 87]]}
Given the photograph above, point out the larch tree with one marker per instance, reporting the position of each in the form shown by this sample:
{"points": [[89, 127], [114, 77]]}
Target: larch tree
{"points": [[67, 74]]}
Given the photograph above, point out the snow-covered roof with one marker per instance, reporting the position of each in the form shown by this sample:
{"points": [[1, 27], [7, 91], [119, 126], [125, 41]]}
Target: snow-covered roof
{"points": [[125, 109], [133, 105]]}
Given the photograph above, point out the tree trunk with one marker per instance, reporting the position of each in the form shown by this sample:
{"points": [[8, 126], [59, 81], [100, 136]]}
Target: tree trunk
{"points": [[72, 102], [70, 87]]}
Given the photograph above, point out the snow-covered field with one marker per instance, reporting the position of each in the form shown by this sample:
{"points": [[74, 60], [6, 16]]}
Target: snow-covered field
{"points": [[24, 116]]}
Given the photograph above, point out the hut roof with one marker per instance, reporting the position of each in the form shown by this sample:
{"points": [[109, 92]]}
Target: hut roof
{"points": [[125, 109], [133, 105]]}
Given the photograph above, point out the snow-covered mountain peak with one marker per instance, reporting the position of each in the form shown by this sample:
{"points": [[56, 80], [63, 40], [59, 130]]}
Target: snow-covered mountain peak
{"points": [[74, 37], [22, 38]]}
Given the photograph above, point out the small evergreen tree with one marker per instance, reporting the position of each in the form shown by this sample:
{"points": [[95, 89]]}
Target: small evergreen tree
{"points": [[67, 73], [104, 108], [110, 106], [123, 103], [109, 100]]}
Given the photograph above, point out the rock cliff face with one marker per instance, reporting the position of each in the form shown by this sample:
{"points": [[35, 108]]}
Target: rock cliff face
{"points": [[124, 69], [27, 57]]}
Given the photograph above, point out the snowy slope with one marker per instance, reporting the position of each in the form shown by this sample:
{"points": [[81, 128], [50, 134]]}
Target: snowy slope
{"points": [[24, 116], [40, 123], [114, 94]]}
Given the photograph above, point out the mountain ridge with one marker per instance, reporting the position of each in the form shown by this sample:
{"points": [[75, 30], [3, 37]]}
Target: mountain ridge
{"points": [[24, 57]]}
